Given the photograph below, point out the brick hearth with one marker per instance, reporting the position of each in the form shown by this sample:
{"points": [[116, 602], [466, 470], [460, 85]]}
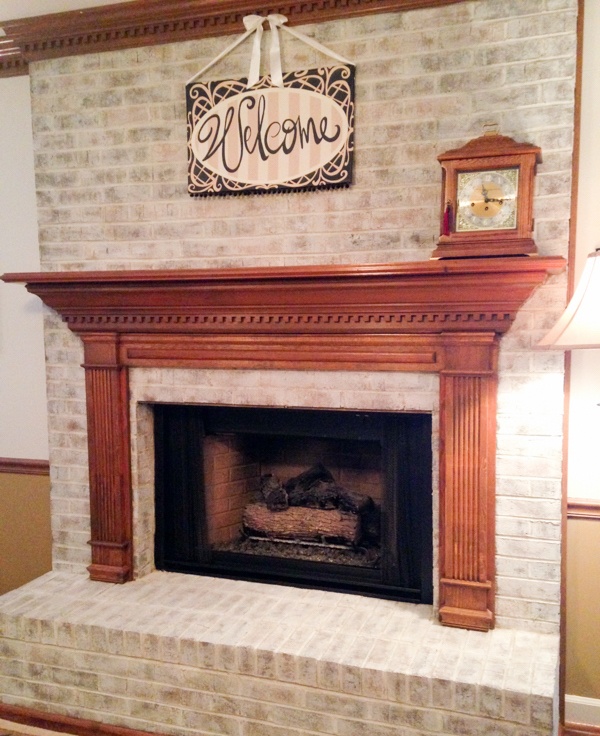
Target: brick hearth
{"points": [[185, 655]]}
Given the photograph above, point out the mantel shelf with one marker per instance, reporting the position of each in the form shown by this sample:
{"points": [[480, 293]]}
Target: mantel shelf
{"points": [[418, 297]]}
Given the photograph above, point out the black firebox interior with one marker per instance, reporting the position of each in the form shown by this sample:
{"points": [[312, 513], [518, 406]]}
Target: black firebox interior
{"points": [[356, 487]]}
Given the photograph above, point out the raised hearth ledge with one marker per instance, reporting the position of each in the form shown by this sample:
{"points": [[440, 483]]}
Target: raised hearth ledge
{"points": [[183, 654], [442, 316]]}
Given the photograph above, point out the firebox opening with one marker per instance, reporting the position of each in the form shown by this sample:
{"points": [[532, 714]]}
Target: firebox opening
{"points": [[339, 500]]}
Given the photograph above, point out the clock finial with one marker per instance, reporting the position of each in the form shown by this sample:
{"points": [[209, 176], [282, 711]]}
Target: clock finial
{"points": [[491, 128]]}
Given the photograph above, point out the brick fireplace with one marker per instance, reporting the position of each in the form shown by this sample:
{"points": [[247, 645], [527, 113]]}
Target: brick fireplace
{"points": [[280, 301], [145, 333], [447, 320]]}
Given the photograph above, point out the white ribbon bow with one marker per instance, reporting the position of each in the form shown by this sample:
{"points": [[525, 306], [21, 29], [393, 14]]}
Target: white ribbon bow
{"points": [[254, 24]]}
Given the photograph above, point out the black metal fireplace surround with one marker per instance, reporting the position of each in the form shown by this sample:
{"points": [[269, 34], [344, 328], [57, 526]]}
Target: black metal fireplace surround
{"points": [[390, 558]]}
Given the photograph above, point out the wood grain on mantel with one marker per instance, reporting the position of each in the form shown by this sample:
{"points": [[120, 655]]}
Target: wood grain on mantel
{"points": [[456, 295], [442, 316], [148, 22]]}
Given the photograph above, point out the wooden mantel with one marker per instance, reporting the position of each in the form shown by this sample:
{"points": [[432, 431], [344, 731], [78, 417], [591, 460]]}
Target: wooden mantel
{"points": [[442, 316]]}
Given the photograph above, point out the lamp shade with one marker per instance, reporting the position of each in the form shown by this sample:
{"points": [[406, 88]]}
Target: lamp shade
{"points": [[579, 325]]}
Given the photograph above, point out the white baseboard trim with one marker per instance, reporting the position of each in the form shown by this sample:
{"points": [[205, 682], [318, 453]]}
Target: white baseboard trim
{"points": [[582, 710]]}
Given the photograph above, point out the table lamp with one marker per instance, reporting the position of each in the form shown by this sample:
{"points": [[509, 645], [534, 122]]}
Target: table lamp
{"points": [[579, 324]]}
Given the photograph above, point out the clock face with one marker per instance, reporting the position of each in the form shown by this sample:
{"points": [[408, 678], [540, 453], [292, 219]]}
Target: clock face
{"points": [[487, 200]]}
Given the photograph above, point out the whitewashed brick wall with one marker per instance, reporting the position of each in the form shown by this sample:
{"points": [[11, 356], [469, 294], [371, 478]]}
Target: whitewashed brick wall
{"points": [[110, 140]]}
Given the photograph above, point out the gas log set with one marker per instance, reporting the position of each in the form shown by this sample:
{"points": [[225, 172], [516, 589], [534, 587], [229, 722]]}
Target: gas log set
{"points": [[311, 508]]}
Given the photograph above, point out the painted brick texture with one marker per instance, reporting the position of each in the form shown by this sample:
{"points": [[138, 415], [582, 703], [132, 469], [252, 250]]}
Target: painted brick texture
{"points": [[111, 169], [182, 654]]}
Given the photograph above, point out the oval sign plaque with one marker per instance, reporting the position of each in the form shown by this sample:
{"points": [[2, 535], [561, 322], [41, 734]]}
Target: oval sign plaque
{"points": [[271, 138], [270, 135]]}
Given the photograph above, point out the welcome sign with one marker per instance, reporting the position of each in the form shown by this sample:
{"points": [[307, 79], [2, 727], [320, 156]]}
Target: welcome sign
{"points": [[297, 136]]}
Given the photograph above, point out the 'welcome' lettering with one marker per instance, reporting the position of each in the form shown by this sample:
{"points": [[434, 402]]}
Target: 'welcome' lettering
{"points": [[270, 135]]}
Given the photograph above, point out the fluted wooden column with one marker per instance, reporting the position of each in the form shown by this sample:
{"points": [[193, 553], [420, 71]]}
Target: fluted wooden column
{"points": [[467, 484], [109, 459]]}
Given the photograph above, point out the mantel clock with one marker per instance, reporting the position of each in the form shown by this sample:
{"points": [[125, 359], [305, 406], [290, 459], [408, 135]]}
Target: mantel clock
{"points": [[487, 198]]}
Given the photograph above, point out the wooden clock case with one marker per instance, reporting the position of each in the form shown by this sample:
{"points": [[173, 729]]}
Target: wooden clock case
{"points": [[488, 152]]}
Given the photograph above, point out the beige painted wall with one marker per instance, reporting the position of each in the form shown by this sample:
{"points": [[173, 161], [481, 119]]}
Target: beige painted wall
{"points": [[25, 536], [583, 608]]}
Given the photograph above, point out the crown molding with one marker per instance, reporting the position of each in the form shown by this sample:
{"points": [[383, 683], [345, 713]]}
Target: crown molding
{"points": [[12, 63], [148, 22]]}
